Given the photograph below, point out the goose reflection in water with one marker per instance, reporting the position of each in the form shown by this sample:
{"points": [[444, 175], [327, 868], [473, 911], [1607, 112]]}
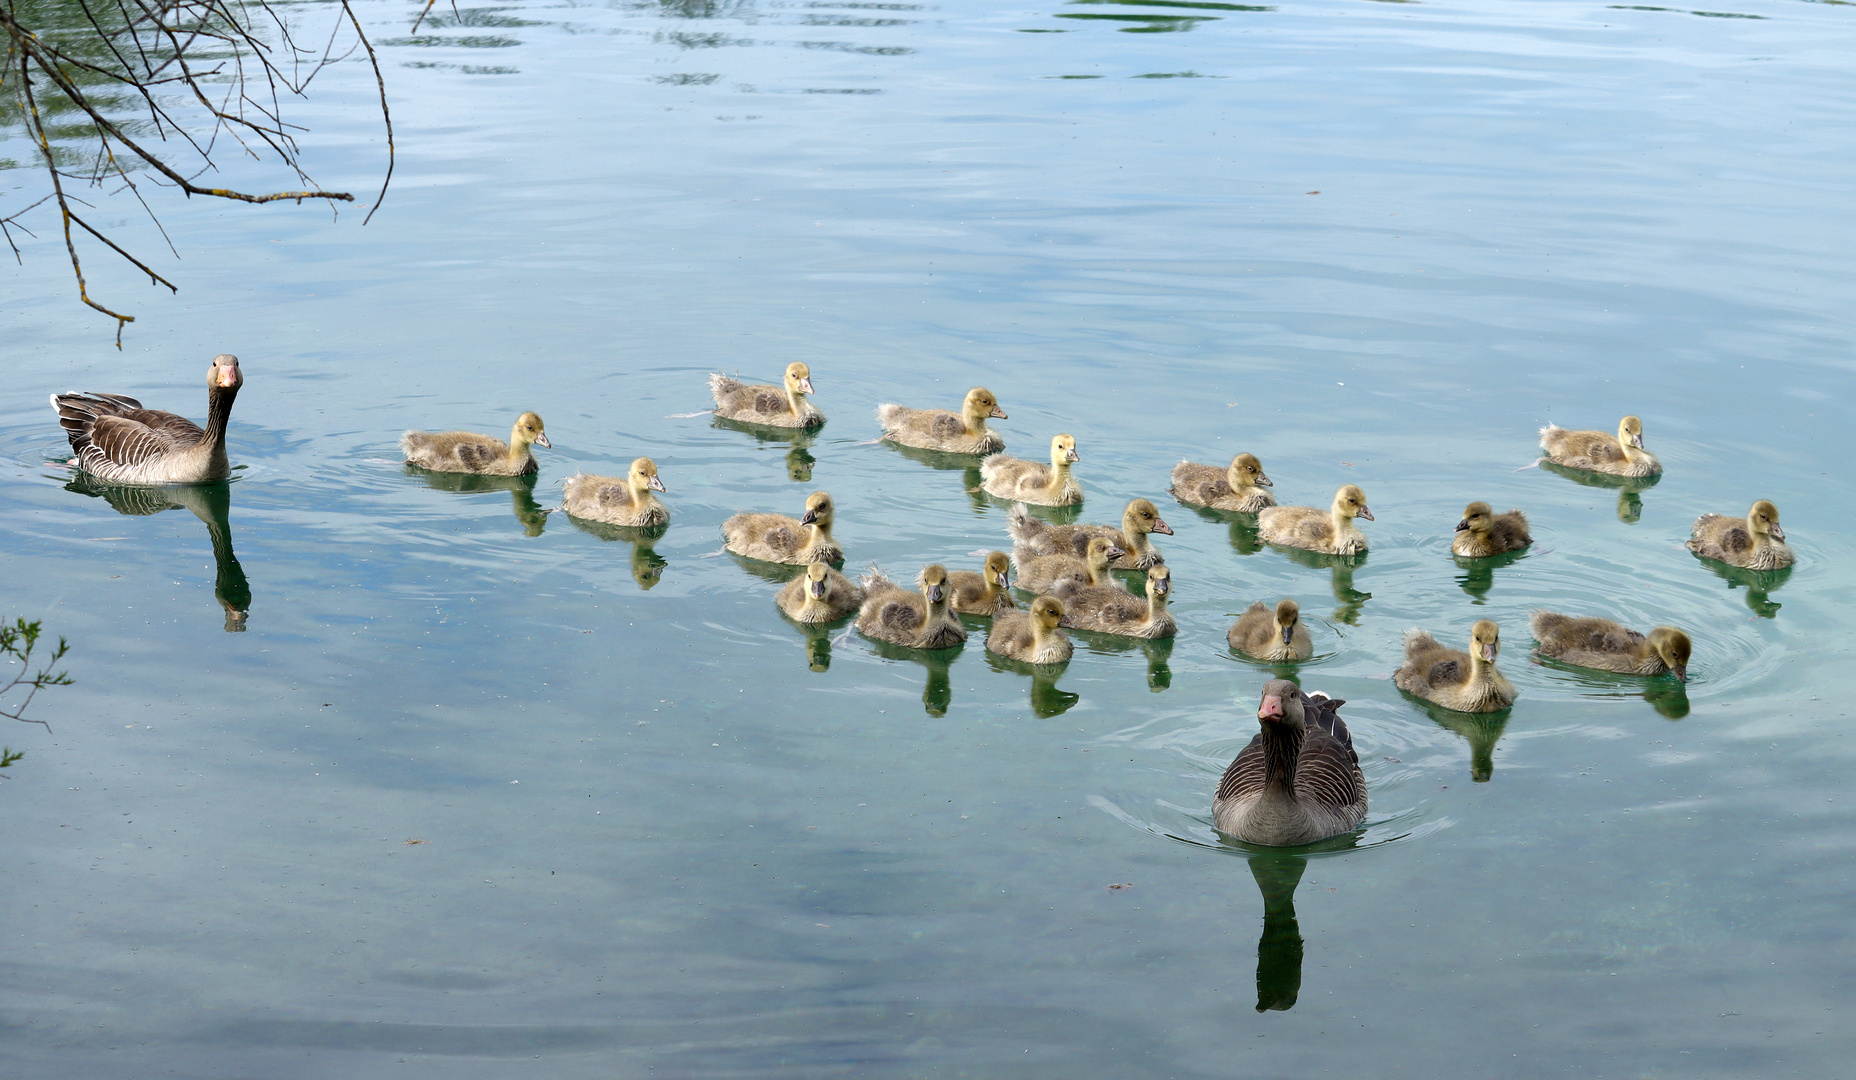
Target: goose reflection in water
{"points": [[1158, 651], [1340, 569], [1243, 527], [1481, 730], [798, 441], [1478, 575], [521, 491], [1046, 700], [647, 565], [1666, 694], [1759, 584], [1281, 947], [212, 504], [1629, 488], [938, 692]]}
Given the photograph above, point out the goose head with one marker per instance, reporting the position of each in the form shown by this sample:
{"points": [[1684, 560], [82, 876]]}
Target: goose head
{"points": [[1477, 518], [1281, 704], [933, 583], [1485, 641], [1142, 516], [1763, 519], [1672, 648], [528, 431], [980, 405], [1350, 502], [224, 374], [818, 511], [1046, 615], [798, 379], [643, 475], [998, 570], [1247, 471], [1288, 613], [1099, 554], [1159, 584], [1630, 432], [817, 584], [1063, 452]]}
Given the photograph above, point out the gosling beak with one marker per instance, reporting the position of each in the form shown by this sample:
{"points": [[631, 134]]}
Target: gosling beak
{"points": [[1682, 673], [1162, 527], [1070, 455], [1367, 514], [1271, 709], [1066, 623], [805, 386], [1488, 652], [1637, 441], [998, 414], [1001, 578], [1264, 481], [542, 440], [818, 589], [1462, 526], [808, 517], [1777, 533], [656, 484], [1287, 633], [1163, 586], [1115, 553], [934, 594]]}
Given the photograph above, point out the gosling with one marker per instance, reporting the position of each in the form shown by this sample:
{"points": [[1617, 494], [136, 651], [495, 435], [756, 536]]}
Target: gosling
{"points": [[1238, 489], [1755, 542], [986, 591], [1031, 537], [1276, 634], [1033, 636], [1595, 451], [1043, 573], [1463, 681], [918, 621], [1588, 642], [820, 595], [1029, 481], [773, 406], [1483, 532], [1109, 609], [1332, 532], [616, 500], [964, 432], [468, 452], [778, 538]]}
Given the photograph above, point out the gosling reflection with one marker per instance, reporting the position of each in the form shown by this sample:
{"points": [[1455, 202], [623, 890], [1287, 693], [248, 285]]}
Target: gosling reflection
{"points": [[984, 501], [817, 637], [212, 504], [938, 459], [521, 491], [647, 564], [1478, 575], [1243, 527], [1481, 730], [1340, 569], [798, 441], [938, 692], [1759, 584], [1665, 693], [1629, 488], [1157, 651], [1279, 950], [1046, 699]]}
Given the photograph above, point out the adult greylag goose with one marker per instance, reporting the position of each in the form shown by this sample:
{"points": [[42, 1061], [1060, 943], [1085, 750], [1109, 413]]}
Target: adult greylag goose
{"points": [[773, 406], [1755, 542], [984, 591], [1483, 532], [915, 620], [964, 432], [1031, 636], [1330, 531], [1463, 681], [1585, 641], [469, 452], [1032, 482], [1032, 538], [1238, 488], [1594, 451], [1110, 609], [615, 500], [781, 539], [819, 595], [1299, 780], [1044, 573], [115, 439], [1271, 633]]}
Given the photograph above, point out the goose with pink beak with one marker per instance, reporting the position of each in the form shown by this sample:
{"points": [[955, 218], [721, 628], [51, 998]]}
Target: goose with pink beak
{"points": [[1299, 780]]}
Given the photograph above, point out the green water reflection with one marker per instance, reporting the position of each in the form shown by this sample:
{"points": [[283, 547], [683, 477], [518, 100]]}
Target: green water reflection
{"points": [[212, 504]]}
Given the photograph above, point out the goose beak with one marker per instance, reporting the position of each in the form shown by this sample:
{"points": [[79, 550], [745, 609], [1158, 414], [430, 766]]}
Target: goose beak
{"points": [[818, 589], [1264, 481], [1066, 623], [1287, 633], [1488, 652], [1271, 709], [1366, 513], [805, 385], [1070, 455], [808, 518], [1003, 580], [1682, 673], [656, 484], [1163, 586], [1163, 528], [542, 440], [998, 414], [1777, 533], [1637, 441], [1462, 526], [228, 376], [934, 594], [1115, 552]]}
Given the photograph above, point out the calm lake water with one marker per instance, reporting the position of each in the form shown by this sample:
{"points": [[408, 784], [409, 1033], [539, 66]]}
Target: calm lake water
{"points": [[481, 792]]}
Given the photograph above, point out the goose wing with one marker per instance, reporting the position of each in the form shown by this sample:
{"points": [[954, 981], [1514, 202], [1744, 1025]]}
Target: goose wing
{"points": [[1245, 773], [1328, 772], [1323, 712]]}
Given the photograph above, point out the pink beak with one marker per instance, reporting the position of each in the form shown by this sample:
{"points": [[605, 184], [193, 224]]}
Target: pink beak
{"points": [[1488, 653], [1070, 455], [1778, 533], [998, 413], [1367, 514], [805, 385], [1163, 527], [1271, 709], [228, 376], [656, 484], [542, 440]]}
